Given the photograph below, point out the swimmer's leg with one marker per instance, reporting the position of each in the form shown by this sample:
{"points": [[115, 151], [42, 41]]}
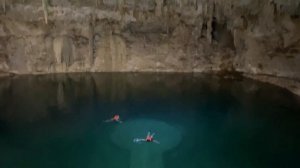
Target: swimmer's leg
{"points": [[109, 120], [139, 140], [155, 141]]}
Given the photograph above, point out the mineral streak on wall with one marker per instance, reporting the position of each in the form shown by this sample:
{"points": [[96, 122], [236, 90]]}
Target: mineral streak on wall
{"points": [[251, 36]]}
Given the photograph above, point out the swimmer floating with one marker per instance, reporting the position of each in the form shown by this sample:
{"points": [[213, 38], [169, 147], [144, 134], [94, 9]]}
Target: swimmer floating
{"points": [[116, 118], [149, 138]]}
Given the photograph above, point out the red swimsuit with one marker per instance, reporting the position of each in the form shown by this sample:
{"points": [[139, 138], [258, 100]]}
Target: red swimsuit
{"points": [[149, 139], [116, 118]]}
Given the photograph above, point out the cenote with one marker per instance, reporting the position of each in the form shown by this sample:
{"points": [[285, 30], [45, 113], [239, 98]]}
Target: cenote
{"points": [[202, 121]]}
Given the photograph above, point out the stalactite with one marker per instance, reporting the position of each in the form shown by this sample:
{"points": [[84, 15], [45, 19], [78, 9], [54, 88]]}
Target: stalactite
{"points": [[178, 3], [158, 8], [99, 3], [120, 5], [45, 9], [91, 39], [4, 5], [136, 5]]}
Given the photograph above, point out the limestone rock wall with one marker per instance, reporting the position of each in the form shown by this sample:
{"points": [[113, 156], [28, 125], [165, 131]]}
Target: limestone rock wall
{"points": [[250, 36]]}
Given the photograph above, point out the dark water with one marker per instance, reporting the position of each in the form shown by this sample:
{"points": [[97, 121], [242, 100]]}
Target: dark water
{"points": [[202, 121]]}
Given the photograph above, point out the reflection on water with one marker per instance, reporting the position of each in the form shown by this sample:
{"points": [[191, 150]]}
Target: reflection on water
{"points": [[56, 120]]}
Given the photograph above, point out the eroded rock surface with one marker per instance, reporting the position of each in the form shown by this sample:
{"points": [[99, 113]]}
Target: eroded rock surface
{"points": [[250, 36]]}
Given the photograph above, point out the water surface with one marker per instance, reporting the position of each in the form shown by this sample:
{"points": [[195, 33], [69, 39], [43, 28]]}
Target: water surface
{"points": [[57, 121]]}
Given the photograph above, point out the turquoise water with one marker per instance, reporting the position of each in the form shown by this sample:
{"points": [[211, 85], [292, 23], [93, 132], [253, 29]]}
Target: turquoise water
{"points": [[201, 121]]}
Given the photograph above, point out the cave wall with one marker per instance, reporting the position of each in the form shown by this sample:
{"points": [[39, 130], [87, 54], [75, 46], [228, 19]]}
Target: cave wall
{"points": [[250, 36]]}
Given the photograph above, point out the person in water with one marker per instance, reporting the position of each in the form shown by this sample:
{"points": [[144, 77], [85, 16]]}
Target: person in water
{"points": [[149, 138], [116, 118]]}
